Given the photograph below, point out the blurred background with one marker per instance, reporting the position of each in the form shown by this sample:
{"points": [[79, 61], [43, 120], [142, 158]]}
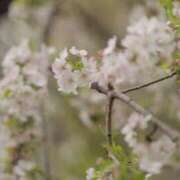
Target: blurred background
{"points": [[75, 124]]}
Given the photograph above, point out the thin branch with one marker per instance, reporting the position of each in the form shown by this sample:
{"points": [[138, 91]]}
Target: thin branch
{"points": [[150, 83], [172, 133], [98, 88], [109, 116], [109, 119]]}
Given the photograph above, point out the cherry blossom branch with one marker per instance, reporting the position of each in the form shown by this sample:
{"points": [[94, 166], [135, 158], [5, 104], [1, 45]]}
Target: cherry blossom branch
{"points": [[172, 133], [150, 83]]}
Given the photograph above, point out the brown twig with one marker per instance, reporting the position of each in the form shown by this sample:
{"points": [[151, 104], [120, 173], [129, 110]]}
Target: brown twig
{"points": [[150, 83], [109, 115], [109, 119]]}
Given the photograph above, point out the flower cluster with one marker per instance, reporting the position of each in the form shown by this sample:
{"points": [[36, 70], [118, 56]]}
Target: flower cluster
{"points": [[150, 41], [23, 89], [73, 69], [154, 154]]}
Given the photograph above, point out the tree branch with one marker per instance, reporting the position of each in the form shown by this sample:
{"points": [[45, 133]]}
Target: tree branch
{"points": [[150, 83], [109, 115], [172, 133]]}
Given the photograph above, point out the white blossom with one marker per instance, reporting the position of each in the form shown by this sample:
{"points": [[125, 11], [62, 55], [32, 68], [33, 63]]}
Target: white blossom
{"points": [[73, 69], [90, 174], [110, 46], [152, 155], [149, 41], [23, 88], [17, 55], [67, 82]]}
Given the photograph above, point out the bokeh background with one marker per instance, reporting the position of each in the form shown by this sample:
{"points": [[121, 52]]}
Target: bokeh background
{"points": [[75, 137]]}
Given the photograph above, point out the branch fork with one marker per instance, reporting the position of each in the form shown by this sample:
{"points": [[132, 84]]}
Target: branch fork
{"points": [[121, 96]]}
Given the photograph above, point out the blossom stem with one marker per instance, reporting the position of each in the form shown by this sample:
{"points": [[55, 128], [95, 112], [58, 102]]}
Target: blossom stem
{"points": [[150, 83]]}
